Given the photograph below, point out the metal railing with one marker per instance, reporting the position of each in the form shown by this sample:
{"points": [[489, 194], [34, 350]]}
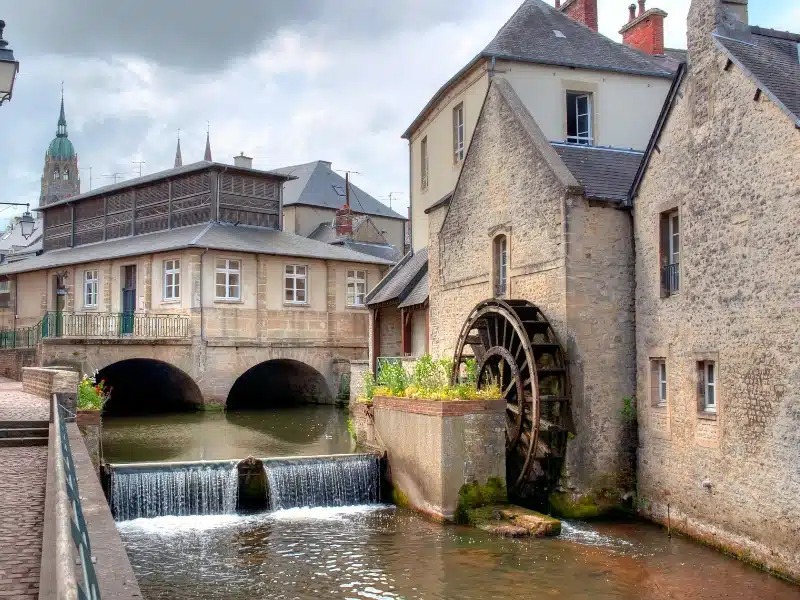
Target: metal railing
{"points": [[70, 521], [99, 325], [670, 278]]}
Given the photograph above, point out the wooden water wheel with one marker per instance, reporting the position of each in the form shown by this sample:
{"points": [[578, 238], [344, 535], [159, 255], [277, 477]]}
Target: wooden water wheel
{"points": [[515, 347]]}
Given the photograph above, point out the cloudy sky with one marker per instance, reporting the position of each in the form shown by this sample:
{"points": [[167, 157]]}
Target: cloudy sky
{"points": [[285, 82]]}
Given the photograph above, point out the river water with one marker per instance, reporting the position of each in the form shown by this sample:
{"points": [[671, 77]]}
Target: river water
{"points": [[383, 552]]}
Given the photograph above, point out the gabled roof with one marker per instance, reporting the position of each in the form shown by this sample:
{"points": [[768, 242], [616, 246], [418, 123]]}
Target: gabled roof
{"points": [[401, 280], [326, 233], [771, 58], [316, 184], [216, 236], [605, 173], [530, 36], [165, 174], [11, 240]]}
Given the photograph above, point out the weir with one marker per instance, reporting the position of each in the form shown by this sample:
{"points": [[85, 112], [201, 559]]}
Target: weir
{"points": [[155, 489]]}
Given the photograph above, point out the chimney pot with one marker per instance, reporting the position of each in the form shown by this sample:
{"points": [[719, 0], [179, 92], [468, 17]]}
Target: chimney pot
{"points": [[641, 7], [632, 11], [243, 161], [344, 222]]}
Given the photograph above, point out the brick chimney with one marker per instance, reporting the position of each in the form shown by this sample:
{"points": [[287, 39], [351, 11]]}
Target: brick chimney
{"points": [[583, 11], [344, 221], [645, 30]]}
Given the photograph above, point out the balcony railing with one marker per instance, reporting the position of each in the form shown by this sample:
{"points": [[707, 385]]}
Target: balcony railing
{"points": [[670, 279], [96, 325]]}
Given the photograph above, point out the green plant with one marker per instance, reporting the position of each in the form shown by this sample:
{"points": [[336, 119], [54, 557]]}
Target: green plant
{"points": [[351, 428], [369, 387], [628, 409], [393, 376], [92, 395]]}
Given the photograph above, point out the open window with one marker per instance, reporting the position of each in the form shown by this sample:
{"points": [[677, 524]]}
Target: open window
{"points": [[670, 250], [500, 265], [579, 118]]}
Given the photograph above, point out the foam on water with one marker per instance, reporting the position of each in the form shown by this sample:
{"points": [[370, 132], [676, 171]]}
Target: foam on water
{"points": [[582, 533]]}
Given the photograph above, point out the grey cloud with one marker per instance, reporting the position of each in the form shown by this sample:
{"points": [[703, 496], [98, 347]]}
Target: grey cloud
{"points": [[205, 35]]}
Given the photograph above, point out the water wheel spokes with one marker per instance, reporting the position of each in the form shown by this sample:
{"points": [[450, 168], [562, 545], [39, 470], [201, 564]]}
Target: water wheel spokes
{"points": [[517, 350]]}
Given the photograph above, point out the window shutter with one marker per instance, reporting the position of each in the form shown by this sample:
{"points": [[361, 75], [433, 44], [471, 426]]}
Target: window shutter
{"points": [[701, 384], [663, 227]]}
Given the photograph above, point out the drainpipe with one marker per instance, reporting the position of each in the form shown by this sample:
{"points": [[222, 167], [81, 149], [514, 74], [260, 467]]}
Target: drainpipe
{"points": [[202, 319]]}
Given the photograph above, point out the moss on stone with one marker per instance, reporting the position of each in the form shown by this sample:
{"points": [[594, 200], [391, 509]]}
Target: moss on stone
{"points": [[512, 521], [584, 507], [474, 495], [399, 498]]}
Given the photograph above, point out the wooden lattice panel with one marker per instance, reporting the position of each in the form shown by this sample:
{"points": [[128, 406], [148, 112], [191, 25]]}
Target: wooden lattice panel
{"points": [[152, 194], [89, 237], [89, 209], [119, 230], [119, 202], [56, 217], [243, 185], [190, 185]]}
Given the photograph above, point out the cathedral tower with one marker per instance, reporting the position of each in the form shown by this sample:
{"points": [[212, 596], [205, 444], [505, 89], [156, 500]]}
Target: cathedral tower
{"points": [[61, 178]]}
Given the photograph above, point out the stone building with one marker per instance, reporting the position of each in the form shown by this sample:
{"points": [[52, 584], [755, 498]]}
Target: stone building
{"points": [[718, 292], [188, 270], [666, 269], [60, 177]]}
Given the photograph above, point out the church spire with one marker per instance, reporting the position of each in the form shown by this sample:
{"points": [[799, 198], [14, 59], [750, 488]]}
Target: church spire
{"points": [[207, 155], [178, 157], [61, 130]]}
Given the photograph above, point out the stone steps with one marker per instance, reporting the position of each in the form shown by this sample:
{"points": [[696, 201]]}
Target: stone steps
{"points": [[24, 433]]}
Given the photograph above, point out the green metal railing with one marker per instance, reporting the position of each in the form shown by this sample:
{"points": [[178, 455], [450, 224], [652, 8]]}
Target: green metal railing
{"points": [[96, 325]]}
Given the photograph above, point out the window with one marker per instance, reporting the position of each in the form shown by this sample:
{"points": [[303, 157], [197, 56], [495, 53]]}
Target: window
{"points": [[172, 279], [65, 175], [500, 265], [670, 236], [228, 279], [56, 174], [356, 288], [579, 118], [5, 287], [424, 162], [90, 288], [707, 377], [458, 133], [658, 382], [296, 278]]}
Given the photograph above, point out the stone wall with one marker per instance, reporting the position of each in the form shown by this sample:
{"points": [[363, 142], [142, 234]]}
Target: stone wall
{"points": [[390, 332], [46, 382], [571, 257], [13, 360], [464, 443], [728, 478]]}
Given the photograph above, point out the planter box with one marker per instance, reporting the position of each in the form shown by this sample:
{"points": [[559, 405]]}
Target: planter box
{"points": [[435, 447], [89, 417]]}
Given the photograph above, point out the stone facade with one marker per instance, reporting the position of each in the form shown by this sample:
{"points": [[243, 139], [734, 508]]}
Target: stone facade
{"points": [[12, 362], [46, 382], [571, 257], [727, 477]]}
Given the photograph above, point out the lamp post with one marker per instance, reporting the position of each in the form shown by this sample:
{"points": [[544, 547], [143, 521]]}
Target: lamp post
{"points": [[8, 68], [27, 223]]}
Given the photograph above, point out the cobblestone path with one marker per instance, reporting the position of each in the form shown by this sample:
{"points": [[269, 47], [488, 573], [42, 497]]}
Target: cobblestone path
{"points": [[23, 475]]}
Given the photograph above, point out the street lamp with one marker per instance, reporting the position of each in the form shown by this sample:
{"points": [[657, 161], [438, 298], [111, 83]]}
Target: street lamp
{"points": [[8, 68], [27, 223]]}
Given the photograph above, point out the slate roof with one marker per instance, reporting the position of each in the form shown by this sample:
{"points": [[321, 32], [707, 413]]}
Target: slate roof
{"points": [[190, 168], [605, 173], [529, 36], [216, 236], [12, 240], [771, 58], [418, 295], [401, 280], [326, 233], [316, 184]]}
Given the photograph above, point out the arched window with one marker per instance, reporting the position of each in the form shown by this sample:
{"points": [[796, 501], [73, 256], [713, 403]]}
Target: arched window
{"points": [[65, 175], [56, 174], [500, 265]]}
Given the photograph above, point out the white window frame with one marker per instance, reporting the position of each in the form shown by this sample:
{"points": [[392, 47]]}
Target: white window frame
{"points": [[674, 225], [662, 383], [231, 267], [710, 386], [172, 280], [357, 281], [291, 275], [459, 131], [500, 251], [424, 162], [91, 279], [581, 137], [5, 286]]}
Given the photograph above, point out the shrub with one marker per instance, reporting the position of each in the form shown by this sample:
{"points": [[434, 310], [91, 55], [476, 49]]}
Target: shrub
{"points": [[92, 395]]}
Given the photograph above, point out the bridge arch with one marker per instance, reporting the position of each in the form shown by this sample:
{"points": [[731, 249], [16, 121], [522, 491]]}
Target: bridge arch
{"points": [[143, 386], [279, 382]]}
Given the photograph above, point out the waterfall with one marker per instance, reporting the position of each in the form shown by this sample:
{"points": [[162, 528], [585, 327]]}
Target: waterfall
{"points": [[197, 489], [329, 481]]}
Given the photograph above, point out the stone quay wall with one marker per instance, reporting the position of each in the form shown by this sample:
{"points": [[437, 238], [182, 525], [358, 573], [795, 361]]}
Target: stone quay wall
{"points": [[434, 448], [12, 360], [46, 382]]}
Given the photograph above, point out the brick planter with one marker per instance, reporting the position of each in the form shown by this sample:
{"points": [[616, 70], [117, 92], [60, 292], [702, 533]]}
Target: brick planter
{"points": [[435, 447]]}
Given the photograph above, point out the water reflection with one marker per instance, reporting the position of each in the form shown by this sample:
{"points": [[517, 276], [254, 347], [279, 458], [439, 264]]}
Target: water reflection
{"points": [[299, 430], [383, 553]]}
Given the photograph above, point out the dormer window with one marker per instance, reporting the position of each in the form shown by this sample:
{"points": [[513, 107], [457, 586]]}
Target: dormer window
{"points": [[579, 118]]}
